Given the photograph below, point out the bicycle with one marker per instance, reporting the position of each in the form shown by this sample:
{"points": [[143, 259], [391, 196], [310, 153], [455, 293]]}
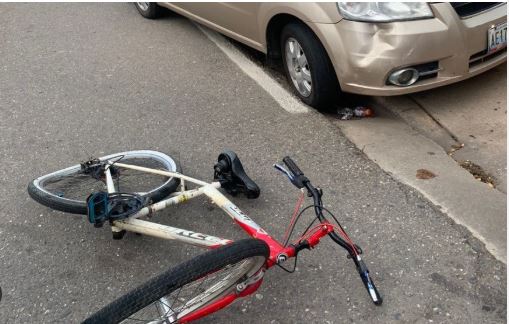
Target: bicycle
{"points": [[216, 278]]}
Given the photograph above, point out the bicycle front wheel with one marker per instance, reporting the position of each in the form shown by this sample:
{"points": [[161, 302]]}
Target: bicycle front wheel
{"points": [[67, 189], [188, 288]]}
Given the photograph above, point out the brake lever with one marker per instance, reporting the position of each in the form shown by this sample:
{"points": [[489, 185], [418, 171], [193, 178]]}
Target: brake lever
{"points": [[298, 181], [284, 171]]}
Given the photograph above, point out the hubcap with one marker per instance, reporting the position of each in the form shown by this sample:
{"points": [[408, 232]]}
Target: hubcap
{"points": [[298, 67], [143, 5]]}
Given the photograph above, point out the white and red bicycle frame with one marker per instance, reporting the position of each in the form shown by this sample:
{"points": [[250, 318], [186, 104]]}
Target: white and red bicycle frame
{"points": [[278, 253]]}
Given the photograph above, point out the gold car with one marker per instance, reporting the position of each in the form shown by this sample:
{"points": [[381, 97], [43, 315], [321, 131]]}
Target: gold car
{"points": [[370, 48]]}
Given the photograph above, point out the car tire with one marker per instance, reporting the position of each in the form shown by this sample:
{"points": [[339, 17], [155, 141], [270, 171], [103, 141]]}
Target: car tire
{"points": [[323, 89], [149, 10]]}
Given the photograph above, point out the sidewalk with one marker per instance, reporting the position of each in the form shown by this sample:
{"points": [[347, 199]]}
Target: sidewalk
{"points": [[438, 130], [473, 113]]}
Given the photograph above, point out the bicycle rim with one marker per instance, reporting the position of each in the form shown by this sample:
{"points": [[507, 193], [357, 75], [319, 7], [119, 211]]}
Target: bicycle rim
{"points": [[73, 185], [198, 293]]}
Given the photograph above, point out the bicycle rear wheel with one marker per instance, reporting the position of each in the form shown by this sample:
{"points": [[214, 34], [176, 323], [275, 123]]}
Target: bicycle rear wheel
{"points": [[190, 287], [67, 189]]}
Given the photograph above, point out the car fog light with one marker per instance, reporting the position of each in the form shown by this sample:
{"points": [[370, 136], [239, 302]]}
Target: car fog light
{"points": [[404, 77]]}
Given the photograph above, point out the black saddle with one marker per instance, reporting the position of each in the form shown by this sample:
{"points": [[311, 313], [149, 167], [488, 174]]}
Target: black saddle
{"points": [[230, 173]]}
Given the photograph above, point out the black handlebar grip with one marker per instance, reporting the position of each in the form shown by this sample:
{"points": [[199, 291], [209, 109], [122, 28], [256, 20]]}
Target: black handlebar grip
{"points": [[373, 292], [294, 169], [369, 284]]}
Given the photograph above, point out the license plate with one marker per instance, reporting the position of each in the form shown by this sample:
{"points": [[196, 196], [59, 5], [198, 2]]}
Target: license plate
{"points": [[497, 38]]}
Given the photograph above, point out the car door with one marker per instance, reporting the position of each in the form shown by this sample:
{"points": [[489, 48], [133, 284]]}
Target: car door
{"points": [[233, 19]]}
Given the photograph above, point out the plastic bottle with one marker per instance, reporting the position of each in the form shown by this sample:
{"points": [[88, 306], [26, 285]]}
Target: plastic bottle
{"points": [[362, 111]]}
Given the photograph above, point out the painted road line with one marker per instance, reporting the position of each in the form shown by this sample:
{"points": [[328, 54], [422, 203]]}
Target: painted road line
{"points": [[286, 100]]}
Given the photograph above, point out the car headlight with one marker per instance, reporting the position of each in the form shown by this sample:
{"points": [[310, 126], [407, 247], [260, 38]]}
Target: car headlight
{"points": [[384, 11]]}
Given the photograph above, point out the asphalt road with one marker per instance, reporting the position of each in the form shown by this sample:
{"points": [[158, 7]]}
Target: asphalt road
{"points": [[86, 79]]}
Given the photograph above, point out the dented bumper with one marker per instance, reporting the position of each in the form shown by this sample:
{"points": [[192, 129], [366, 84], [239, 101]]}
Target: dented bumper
{"points": [[364, 54]]}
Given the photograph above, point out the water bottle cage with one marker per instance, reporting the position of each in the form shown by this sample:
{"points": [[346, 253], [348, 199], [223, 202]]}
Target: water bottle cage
{"points": [[103, 206]]}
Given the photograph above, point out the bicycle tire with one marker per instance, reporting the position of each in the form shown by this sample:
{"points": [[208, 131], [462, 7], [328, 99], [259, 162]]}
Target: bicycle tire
{"points": [[46, 197], [208, 263]]}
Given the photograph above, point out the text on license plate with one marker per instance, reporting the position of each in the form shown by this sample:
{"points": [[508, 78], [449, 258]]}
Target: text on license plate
{"points": [[497, 38]]}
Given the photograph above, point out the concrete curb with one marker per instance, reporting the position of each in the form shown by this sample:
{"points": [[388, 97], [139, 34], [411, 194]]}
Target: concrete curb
{"points": [[401, 151]]}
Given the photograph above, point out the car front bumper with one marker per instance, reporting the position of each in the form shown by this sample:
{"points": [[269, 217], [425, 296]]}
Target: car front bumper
{"points": [[364, 54]]}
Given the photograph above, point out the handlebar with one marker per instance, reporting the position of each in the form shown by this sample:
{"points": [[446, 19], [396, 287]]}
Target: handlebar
{"points": [[292, 166], [298, 178]]}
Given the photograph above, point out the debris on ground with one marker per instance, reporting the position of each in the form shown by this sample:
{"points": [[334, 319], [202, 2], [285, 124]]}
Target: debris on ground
{"points": [[478, 172], [454, 148], [359, 111], [424, 174]]}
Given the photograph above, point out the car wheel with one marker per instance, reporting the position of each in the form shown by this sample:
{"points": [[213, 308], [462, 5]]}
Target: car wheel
{"points": [[148, 10], [307, 66]]}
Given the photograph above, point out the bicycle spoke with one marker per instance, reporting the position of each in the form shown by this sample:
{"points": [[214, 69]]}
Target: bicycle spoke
{"points": [[198, 292], [78, 185], [176, 298]]}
